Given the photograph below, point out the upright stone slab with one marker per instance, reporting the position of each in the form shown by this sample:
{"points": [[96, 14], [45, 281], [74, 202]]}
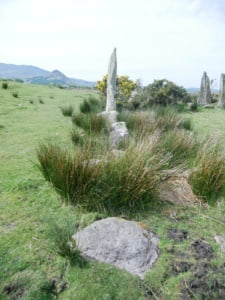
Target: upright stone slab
{"points": [[205, 93], [111, 83], [221, 101]]}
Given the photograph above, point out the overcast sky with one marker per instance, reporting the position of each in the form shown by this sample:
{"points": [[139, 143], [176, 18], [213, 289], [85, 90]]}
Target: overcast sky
{"points": [[173, 39]]}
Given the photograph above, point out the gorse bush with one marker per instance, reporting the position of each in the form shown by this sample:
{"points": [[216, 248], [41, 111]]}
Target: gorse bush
{"points": [[67, 110], [91, 123], [208, 177], [124, 182], [90, 105], [5, 85]]}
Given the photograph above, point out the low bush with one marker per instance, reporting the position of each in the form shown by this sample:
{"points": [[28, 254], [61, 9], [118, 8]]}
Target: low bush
{"points": [[91, 123], [67, 110], [5, 85], [208, 176]]}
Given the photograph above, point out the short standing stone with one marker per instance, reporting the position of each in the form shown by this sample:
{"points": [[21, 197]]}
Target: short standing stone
{"points": [[118, 133], [125, 244], [205, 93], [221, 101]]}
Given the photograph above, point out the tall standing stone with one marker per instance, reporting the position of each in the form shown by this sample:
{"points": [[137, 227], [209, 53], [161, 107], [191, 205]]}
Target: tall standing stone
{"points": [[111, 83], [221, 101], [205, 93]]}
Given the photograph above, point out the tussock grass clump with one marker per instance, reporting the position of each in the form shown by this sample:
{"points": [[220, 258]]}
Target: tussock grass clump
{"points": [[61, 237], [180, 144], [91, 123], [90, 105], [77, 137], [5, 85], [208, 177], [121, 183], [158, 118], [138, 121], [67, 110], [15, 94], [167, 118]]}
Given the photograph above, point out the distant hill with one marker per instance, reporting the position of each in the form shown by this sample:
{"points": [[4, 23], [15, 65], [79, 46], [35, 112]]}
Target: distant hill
{"points": [[32, 74]]}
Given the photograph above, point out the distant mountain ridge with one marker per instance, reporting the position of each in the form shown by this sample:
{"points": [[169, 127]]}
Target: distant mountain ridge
{"points": [[32, 74]]}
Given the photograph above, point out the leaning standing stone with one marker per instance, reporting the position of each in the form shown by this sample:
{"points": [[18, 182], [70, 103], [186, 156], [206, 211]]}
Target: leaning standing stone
{"points": [[125, 244], [221, 101], [205, 93]]}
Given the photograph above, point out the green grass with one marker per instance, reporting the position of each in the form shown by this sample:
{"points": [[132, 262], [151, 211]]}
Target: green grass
{"points": [[31, 267]]}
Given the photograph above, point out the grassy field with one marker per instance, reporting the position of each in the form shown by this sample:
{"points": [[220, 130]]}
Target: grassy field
{"points": [[31, 267]]}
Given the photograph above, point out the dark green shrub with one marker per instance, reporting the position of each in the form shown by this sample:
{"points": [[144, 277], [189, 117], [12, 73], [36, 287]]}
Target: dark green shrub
{"points": [[15, 94], [67, 110], [164, 92], [5, 85]]}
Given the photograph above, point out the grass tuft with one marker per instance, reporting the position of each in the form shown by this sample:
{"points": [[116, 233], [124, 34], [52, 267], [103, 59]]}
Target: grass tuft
{"points": [[90, 105], [61, 237], [67, 110], [208, 177], [91, 123]]}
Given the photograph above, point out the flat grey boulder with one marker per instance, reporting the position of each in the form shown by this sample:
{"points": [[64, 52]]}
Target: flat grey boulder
{"points": [[220, 241], [125, 244]]}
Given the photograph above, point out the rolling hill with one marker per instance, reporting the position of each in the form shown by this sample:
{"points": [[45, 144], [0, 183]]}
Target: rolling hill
{"points": [[32, 74]]}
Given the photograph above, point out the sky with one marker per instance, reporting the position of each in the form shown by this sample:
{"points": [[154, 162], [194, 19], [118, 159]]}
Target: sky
{"points": [[155, 39]]}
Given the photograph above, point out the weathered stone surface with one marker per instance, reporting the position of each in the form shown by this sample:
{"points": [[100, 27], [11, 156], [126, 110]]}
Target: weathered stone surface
{"points": [[177, 190], [109, 115], [221, 241], [111, 83], [205, 93], [118, 133], [125, 244], [221, 101]]}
